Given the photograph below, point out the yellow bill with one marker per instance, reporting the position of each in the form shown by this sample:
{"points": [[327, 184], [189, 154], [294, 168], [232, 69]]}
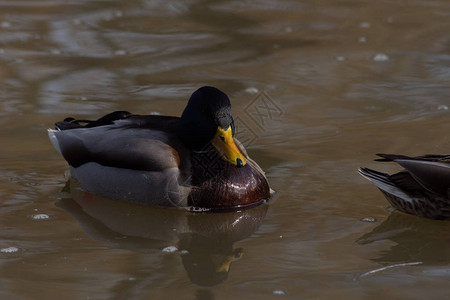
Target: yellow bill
{"points": [[224, 143]]}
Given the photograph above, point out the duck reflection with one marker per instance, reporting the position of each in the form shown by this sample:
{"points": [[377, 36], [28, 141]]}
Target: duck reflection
{"points": [[204, 240], [416, 239]]}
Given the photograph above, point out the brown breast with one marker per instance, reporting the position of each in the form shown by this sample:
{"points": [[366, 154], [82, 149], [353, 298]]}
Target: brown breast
{"points": [[230, 187]]}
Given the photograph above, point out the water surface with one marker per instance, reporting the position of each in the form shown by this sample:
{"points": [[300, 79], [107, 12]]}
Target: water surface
{"points": [[317, 88]]}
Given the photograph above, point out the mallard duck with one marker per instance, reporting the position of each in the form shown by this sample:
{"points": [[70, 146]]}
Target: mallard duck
{"points": [[192, 161], [421, 189]]}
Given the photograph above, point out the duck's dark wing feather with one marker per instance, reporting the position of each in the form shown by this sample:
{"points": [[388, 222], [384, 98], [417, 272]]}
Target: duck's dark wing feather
{"points": [[71, 123], [427, 157], [430, 171], [401, 184], [136, 142]]}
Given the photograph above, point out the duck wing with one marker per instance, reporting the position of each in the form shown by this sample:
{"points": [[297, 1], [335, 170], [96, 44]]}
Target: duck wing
{"points": [[135, 142], [430, 171]]}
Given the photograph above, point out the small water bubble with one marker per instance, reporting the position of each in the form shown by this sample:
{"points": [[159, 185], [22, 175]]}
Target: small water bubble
{"points": [[2, 51], [390, 20], [184, 252], [381, 57], [40, 217], [442, 107], [340, 58], [288, 29], [9, 250], [55, 51], [120, 52], [279, 292], [131, 278], [5, 24], [369, 219], [118, 13], [364, 25], [170, 249], [372, 107], [362, 39], [252, 90]]}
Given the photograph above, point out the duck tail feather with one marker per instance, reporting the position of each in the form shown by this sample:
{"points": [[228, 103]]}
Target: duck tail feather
{"points": [[52, 135], [374, 176], [384, 183]]}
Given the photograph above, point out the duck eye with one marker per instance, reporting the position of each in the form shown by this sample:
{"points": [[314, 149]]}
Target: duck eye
{"points": [[222, 138]]}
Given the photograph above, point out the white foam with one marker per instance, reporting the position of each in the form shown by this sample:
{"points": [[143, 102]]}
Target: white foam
{"points": [[170, 249], [40, 217], [381, 57], [279, 292], [9, 250], [252, 90]]}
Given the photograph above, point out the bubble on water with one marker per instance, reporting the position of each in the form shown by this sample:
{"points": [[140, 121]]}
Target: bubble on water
{"points": [[362, 39], [372, 107], [390, 20], [252, 90], [2, 51], [279, 292], [9, 250], [369, 219], [118, 13], [442, 107], [170, 249], [184, 252], [55, 51], [5, 24], [76, 21], [381, 57], [40, 217], [120, 52], [364, 25], [340, 58], [288, 29]]}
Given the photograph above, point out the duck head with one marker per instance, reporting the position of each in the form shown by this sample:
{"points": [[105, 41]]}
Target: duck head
{"points": [[207, 120]]}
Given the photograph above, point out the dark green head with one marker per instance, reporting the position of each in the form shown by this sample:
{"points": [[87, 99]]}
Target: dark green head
{"points": [[207, 119]]}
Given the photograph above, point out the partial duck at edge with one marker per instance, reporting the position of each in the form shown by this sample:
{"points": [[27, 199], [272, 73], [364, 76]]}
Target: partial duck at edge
{"points": [[421, 189]]}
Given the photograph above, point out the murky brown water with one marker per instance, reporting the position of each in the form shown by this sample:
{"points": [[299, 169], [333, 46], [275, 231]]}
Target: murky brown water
{"points": [[317, 88]]}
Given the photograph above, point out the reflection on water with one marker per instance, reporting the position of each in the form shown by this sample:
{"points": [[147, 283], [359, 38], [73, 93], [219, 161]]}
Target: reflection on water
{"points": [[203, 240], [405, 231]]}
